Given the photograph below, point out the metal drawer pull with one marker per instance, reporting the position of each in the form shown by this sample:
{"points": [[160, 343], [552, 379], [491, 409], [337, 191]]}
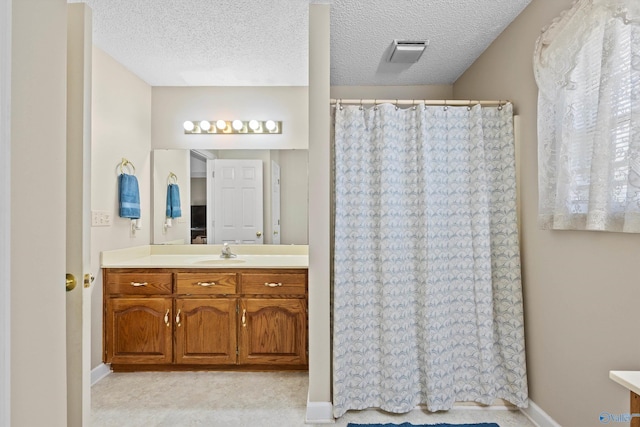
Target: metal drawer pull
{"points": [[178, 319], [273, 285], [166, 318], [206, 284], [138, 284], [244, 318]]}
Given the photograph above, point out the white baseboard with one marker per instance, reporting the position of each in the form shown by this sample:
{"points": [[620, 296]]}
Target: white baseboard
{"points": [[538, 416], [319, 413], [99, 372], [497, 405]]}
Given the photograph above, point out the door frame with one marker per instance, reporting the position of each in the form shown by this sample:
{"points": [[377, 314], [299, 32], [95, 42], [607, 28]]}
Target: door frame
{"points": [[5, 210]]}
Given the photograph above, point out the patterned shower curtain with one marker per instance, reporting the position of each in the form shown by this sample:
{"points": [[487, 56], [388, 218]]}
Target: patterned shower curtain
{"points": [[427, 298]]}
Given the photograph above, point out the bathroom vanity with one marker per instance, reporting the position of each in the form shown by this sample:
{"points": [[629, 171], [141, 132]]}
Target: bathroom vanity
{"points": [[185, 308]]}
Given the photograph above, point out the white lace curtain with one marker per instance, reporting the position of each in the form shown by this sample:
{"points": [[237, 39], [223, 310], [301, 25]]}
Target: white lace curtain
{"points": [[587, 67], [427, 301]]}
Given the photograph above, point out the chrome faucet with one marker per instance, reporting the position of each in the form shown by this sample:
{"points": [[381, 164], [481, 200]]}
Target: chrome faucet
{"points": [[226, 252]]}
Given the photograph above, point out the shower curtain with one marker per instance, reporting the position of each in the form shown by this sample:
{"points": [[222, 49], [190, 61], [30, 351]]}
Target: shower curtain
{"points": [[427, 299]]}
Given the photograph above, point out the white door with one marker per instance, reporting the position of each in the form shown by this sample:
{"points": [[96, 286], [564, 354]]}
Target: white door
{"points": [[275, 202], [78, 214], [237, 201]]}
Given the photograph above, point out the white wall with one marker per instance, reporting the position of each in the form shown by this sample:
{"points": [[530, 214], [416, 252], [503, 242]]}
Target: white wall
{"points": [[165, 162], [121, 127], [38, 177], [173, 105], [581, 289]]}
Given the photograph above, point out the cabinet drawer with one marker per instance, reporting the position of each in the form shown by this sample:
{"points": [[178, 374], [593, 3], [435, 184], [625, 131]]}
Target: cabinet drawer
{"points": [[132, 283], [274, 283], [206, 283]]}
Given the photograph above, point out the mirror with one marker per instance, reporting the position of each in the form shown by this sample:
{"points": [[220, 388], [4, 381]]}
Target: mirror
{"points": [[188, 169]]}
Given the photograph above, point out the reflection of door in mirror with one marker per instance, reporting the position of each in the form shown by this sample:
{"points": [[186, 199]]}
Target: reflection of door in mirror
{"points": [[234, 190], [293, 193], [275, 202]]}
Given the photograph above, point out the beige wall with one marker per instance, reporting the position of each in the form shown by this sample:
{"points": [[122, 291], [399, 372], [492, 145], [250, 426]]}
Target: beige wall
{"points": [[38, 176], [318, 406], [121, 127], [163, 163], [294, 197], [173, 105], [581, 289], [392, 92], [5, 219]]}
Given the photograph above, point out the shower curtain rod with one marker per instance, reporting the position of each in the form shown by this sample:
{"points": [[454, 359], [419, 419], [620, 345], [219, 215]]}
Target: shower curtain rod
{"points": [[444, 102]]}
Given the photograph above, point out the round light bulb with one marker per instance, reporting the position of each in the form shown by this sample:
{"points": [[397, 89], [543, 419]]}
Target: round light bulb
{"points": [[271, 125], [188, 126], [254, 125], [237, 124], [205, 125], [221, 124]]}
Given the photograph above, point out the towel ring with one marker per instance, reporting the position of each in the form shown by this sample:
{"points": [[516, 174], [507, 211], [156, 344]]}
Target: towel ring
{"points": [[125, 163], [173, 178]]}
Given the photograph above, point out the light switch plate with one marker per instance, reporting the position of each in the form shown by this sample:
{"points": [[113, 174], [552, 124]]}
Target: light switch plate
{"points": [[101, 219]]}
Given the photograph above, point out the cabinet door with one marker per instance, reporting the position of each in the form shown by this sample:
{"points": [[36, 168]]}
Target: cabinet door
{"points": [[273, 331], [206, 331], [138, 330]]}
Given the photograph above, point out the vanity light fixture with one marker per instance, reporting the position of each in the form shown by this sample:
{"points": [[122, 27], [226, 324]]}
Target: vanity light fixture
{"points": [[221, 125], [237, 125], [232, 127], [271, 125], [188, 126], [205, 125]]}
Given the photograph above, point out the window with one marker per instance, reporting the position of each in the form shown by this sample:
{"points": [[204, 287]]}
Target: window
{"points": [[587, 66]]}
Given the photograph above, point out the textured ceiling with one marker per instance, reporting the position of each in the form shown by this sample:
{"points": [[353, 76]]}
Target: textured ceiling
{"points": [[458, 32], [265, 43]]}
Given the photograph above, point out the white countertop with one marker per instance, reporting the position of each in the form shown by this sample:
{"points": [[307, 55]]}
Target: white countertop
{"points": [[628, 379], [207, 256]]}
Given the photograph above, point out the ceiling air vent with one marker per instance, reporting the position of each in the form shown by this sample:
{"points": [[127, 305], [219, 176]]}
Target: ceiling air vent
{"points": [[407, 51]]}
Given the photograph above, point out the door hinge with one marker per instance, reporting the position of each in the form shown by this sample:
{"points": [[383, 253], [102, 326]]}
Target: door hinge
{"points": [[237, 351], [213, 174]]}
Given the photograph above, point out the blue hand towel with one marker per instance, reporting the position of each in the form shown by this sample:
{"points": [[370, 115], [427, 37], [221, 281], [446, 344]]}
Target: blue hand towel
{"points": [[129, 196], [173, 201]]}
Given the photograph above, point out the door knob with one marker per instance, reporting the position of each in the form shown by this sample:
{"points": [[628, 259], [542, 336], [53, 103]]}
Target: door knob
{"points": [[259, 233], [275, 232], [71, 282], [88, 280]]}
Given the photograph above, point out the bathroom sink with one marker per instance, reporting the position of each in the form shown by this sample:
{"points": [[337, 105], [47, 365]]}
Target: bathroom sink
{"points": [[220, 261]]}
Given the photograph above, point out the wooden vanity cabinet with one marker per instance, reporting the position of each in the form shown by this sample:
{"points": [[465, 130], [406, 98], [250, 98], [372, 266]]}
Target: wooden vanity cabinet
{"points": [[205, 324], [137, 324], [205, 318], [273, 321]]}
